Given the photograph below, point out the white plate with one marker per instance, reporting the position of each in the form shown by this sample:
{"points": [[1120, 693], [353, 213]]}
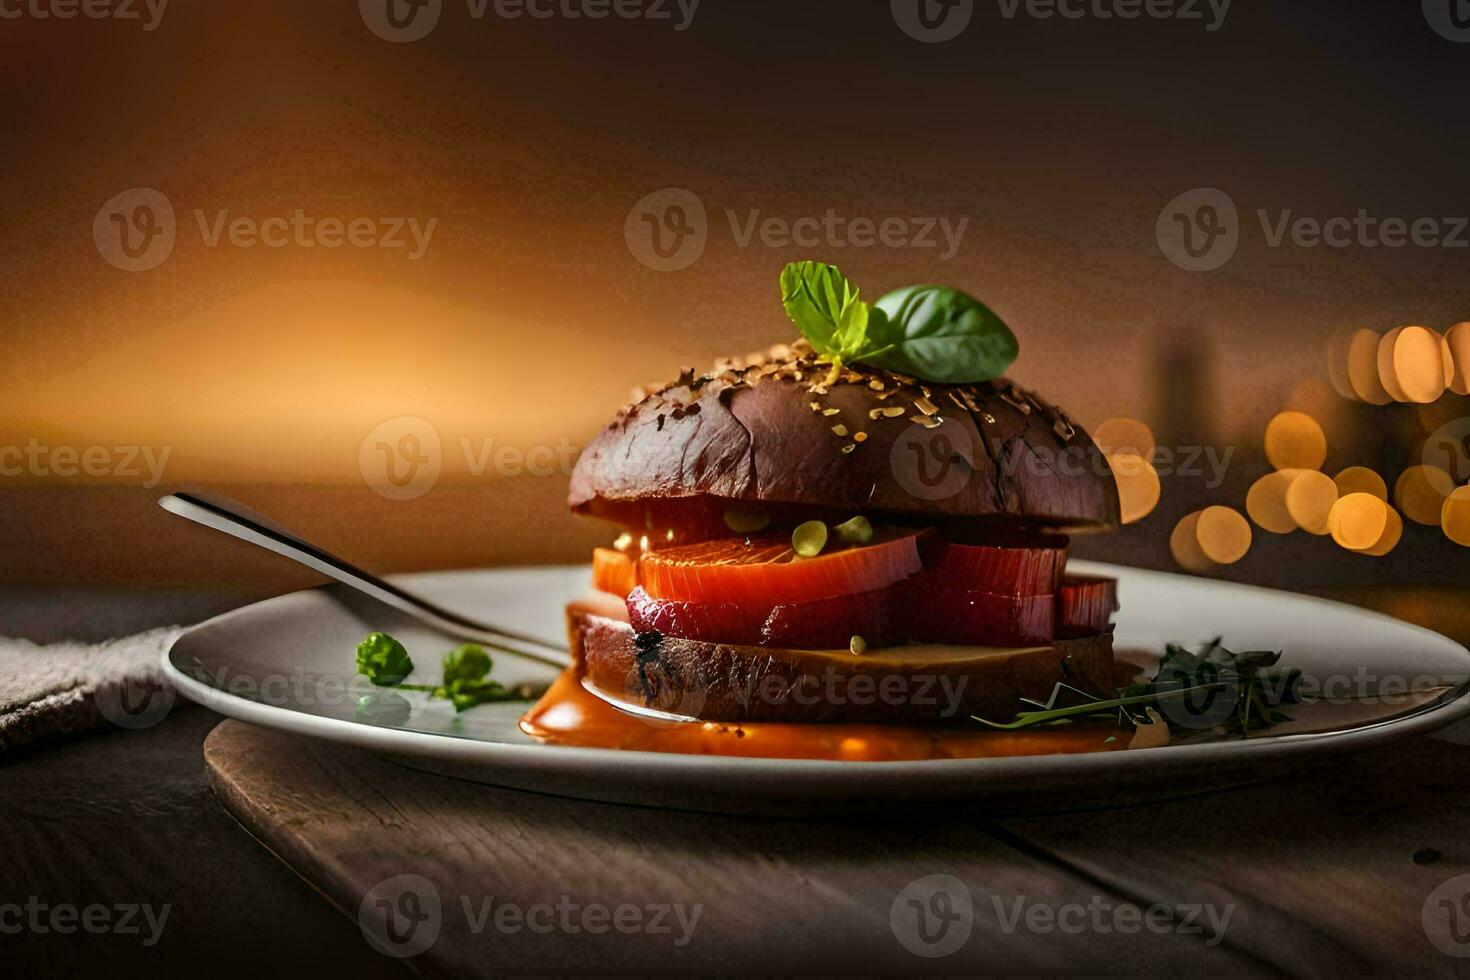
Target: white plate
{"points": [[287, 663]]}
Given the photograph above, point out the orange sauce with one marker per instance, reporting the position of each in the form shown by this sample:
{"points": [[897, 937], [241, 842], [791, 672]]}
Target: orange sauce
{"points": [[569, 714]]}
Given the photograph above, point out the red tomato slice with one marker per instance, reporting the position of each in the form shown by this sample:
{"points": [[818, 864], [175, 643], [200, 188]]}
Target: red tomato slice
{"points": [[979, 618], [716, 622], [767, 573], [1085, 605], [997, 570], [830, 624], [613, 571], [826, 624]]}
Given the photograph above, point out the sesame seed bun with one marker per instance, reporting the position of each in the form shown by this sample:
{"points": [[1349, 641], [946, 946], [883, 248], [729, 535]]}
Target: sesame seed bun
{"points": [[778, 430]]}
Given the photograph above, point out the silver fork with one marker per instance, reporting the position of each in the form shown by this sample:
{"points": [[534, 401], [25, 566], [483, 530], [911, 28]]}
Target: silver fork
{"points": [[237, 520]]}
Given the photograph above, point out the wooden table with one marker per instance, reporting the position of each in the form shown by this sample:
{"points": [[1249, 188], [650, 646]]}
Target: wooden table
{"points": [[1320, 866], [1316, 873]]}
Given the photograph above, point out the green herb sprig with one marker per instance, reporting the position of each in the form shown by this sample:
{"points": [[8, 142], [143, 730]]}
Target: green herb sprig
{"points": [[930, 332], [386, 663], [1213, 668], [1209, 672]]}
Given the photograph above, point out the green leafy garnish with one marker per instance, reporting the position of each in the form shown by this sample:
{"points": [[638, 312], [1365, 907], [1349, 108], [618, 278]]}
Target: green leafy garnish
{"points": [[941, 334], [466, 662], [385, 662], [1196, 690], [931, 332], [829, 312], [467, 694], [465, 670], [1217, 675]]}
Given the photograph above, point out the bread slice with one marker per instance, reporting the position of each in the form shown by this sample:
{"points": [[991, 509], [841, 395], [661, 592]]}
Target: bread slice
{"points": [[908, 685]]}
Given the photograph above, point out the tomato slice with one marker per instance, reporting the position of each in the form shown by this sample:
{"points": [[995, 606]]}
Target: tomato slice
{"points": [[767, 573], [972, 618], [613, 571], [716, 622], [826, 624], [1085, 605], [830, 624], [996, 570], [906, 586]]}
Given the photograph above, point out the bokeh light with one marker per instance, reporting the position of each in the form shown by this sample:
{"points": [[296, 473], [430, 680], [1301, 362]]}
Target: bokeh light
{"points": [[1294, 440], [1337, 362], [1414, 365], [1138, 486], [1420, 493], [1360, 479], [1455, 517], [1185, 546], [1309, 500], [1124, 435], [1357, 521], [1316, 398], [1457, 341], [1393, 531], [1386, 374], [1411, 364], [1362, 368], [1224, 535], [1266, 502]]}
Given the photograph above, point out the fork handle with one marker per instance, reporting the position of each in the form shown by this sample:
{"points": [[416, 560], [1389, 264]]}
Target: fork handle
{"points": [[236, 520]]}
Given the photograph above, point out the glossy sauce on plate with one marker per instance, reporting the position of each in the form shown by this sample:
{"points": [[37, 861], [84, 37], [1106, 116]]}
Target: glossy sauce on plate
{"points": [[569, 714]]}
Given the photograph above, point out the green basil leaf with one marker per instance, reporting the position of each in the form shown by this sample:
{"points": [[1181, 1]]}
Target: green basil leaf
{"points": [[941, 335], [852, 327], [825, 307]]}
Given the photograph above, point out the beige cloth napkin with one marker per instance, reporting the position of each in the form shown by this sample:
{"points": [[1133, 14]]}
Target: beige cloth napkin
{"points": [[62, 688]]}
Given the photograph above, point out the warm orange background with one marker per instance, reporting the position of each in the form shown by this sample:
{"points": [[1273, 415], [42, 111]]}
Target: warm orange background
{"points": [[528, 319]]}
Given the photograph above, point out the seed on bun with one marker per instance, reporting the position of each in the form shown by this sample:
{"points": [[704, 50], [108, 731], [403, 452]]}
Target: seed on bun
{"points": [[779, 429], [874, 505]]}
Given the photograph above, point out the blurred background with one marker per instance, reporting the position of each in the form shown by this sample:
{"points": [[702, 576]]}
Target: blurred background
{"points": [[378, 269]]}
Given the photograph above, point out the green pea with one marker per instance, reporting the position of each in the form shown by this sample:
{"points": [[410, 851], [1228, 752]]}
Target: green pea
{"points": [[809, 539], [859, 530], [746, 520]]}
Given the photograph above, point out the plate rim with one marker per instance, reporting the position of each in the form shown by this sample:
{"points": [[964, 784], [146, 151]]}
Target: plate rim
{"points": [[1449, 707]]}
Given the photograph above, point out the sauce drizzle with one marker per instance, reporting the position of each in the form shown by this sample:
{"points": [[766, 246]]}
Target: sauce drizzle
{"points": [[569, 714]]}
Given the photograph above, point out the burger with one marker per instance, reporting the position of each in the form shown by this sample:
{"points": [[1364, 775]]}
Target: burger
{"points": [[821, 532]]}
